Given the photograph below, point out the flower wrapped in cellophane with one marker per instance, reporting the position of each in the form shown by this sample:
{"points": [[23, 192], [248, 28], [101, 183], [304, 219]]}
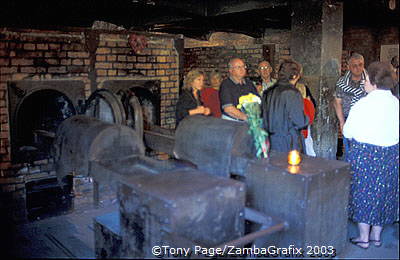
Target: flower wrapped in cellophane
{"points": [[251, 105]]}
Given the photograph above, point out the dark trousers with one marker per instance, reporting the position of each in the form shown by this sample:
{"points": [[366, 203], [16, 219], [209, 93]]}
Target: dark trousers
{"points": [[346, 148]]}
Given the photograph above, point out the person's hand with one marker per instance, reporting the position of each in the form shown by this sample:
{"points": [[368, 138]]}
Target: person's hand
{"points": [[200, 110], [259, 88], [207, 111], [341, 124]]}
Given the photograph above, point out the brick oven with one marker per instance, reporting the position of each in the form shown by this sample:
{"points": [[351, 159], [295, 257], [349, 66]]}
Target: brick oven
{"points": [[147, 91], [36, 108], [48, 76]]}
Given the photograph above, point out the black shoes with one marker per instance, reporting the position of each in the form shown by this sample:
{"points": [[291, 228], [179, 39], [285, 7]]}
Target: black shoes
{"points": [[360, 244]]}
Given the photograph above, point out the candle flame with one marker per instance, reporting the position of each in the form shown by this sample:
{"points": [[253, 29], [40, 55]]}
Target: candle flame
{"points": [[294, 157]]}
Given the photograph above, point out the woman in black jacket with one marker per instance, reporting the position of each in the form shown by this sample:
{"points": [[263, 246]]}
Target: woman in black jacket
{"points": [[189, 102], [283, 110]]}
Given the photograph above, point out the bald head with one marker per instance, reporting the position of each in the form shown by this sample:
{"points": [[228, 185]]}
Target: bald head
{"points": [[237, 69], [263, 63], [265, 70], [233, 62]]}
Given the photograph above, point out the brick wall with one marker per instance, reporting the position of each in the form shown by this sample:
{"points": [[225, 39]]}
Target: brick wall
{"points": [[216, 52], [87, 55], [368, 41], [221, 47], [209, 58], [114, 58]]}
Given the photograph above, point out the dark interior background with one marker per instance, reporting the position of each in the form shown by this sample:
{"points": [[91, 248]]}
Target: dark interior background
{"points": [[192, 18]]}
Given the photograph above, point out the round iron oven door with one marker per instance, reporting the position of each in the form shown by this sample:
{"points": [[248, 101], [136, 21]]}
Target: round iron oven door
{"points": [[122, 108]]}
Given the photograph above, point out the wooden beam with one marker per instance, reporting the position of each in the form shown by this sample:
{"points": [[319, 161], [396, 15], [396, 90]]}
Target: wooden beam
{"points": [[215, 8]]}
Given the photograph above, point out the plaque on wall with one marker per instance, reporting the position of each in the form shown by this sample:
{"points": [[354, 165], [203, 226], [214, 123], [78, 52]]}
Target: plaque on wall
{"points": [[269, 54], [388, 52]]}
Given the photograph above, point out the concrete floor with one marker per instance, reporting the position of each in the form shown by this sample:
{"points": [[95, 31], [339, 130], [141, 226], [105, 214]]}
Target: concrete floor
{"points": [[388, 250], [71, 235]]}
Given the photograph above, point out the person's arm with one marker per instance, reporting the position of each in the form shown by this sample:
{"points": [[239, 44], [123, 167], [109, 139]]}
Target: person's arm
{"points": [[309, 110], [295, 108], [182, 109], [352, 125], [338, 101], [337, 104], [227, 101], [235, 113], [186, 106], [310, 97], [259, 88], [202, 110]]}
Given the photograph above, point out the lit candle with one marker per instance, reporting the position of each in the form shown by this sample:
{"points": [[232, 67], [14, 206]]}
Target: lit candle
{"points": [[294, 157]]}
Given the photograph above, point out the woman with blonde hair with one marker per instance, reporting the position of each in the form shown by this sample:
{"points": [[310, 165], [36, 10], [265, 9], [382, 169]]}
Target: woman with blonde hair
{"points": [[189, 102]]}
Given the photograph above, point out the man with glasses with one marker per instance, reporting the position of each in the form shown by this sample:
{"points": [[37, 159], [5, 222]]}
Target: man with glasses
{"points": [[265, 71], [232, 88], [349, 89]]}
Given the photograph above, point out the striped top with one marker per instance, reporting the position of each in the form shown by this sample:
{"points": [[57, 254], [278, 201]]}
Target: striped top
{"points": [[349, 90]]}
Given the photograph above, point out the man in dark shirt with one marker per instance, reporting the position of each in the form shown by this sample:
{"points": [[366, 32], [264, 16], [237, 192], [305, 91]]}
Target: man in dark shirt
{"points": [[233, 88], [283, 110]]}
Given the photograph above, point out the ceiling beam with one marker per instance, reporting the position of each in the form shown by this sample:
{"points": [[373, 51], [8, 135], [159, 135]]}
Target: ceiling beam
{"points": [[220, 7], [217, 7], [195, 7]]}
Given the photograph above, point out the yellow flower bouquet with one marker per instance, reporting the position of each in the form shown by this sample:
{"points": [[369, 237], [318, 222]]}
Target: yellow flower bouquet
{"points": [[251, 105]]}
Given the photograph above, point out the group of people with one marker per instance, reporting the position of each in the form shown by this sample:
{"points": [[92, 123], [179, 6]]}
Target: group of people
{"points": [[368, 115], [288, 107]]}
